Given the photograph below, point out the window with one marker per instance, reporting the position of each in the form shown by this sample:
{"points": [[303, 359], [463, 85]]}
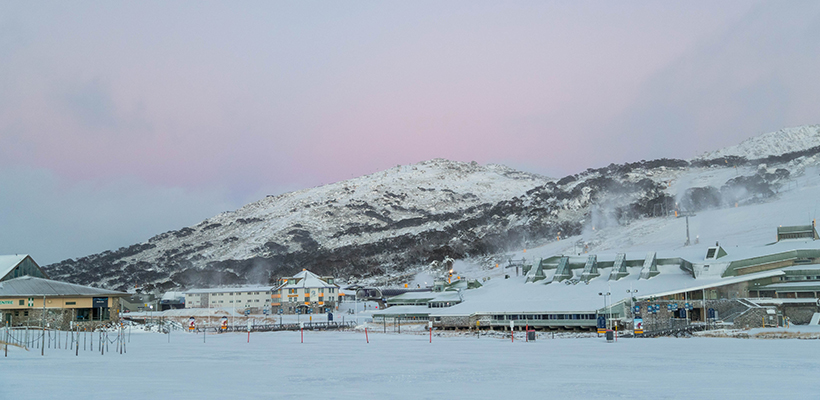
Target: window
{"points": [[25, 313], [22, 302], [70, 303]]}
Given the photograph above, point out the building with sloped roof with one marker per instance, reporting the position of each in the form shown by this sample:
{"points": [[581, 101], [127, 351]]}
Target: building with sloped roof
{"points": [[690, 287], [305, 293], [17, 265], [248, 299], [32, 301]]}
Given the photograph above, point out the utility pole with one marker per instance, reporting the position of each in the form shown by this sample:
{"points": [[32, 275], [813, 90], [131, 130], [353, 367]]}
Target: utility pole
{"points": [[43, 347]]}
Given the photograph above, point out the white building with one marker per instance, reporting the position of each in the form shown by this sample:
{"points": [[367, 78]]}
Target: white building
{"points": [[305, 293], [254, 298]]}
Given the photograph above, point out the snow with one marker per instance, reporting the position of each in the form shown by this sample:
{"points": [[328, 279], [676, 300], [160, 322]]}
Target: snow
{"points": [[786, 140], [744, 232], [322, 210], [336, 365]]}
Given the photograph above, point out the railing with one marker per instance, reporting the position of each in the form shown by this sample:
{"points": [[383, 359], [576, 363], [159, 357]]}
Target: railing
{"points": [[676, 326], [292, 326]]}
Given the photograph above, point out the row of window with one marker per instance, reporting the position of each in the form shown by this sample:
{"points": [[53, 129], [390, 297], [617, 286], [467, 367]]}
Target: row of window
{"points": [[227, 294], [800, 278], [515, 317], [307, 290], [238, 301]]}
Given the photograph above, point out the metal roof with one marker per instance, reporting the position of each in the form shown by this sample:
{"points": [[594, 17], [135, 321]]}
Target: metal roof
{"points": [[30, 286], [306, 279], [7, 263]]}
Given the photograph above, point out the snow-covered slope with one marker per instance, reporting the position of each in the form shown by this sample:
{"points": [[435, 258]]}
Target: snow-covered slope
{"points": [[784, 141], [386, 225], [324, 228]]}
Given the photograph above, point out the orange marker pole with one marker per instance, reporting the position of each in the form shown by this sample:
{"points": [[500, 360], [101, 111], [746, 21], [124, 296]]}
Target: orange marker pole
{"points": [[365, 336]]}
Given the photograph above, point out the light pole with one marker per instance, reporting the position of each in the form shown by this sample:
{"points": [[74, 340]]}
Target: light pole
{"points": [[605, 294]]}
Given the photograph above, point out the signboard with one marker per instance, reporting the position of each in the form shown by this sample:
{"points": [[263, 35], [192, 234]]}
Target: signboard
{"points": [[637, 326], [711, 313], [601, 324], [31, 301], [247, 311], [330, 317], [224, 325], [191, 324], [7, 302], [98, 302]]}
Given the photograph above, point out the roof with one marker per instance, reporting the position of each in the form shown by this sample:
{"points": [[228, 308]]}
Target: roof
{"points": [[306, 279], [31, 286], [402, 311], [799, 285], [514, 295], [7, 263]]}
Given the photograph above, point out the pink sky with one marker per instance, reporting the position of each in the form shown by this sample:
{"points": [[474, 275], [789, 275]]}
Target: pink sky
{"points": [[243, 100]]}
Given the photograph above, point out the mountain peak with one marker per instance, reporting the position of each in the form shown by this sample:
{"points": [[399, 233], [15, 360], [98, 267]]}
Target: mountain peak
{"points": [[783, 141]]}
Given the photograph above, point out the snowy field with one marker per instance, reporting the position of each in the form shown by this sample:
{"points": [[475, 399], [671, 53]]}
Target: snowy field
{"points": [[342, 365]]}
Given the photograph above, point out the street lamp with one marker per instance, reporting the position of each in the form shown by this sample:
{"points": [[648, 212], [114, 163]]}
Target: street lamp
{"points": [[605, 295]]}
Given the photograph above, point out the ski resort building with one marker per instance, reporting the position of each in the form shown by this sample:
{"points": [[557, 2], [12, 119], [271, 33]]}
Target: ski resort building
{"points": [[33, 301], [305, 293], [250, 299], [15, 266], [663, 291]]}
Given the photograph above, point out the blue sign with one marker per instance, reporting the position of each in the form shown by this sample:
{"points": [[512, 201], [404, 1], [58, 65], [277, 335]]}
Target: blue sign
{"points": [[601, 322], [637, 308], [330, 317], [99, 302], [711, 313], [247, 311]]}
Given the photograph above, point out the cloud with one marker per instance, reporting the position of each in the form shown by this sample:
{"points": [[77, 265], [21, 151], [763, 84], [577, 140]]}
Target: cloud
{"points": [[92, 104], [750, 78], [52, 219]]}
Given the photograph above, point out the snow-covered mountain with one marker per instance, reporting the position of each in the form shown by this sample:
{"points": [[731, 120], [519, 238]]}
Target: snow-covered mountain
{"points": [[399, 219], [784, 141]]}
